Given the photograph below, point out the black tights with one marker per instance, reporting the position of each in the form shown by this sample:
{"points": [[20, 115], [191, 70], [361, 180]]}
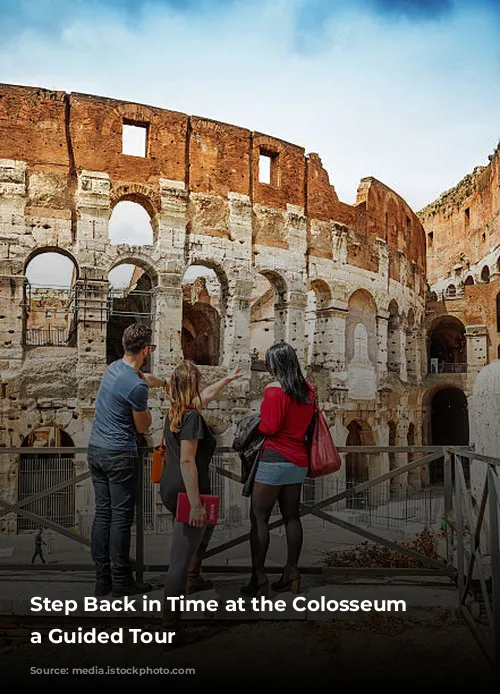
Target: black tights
{"points": [[264, 497]]}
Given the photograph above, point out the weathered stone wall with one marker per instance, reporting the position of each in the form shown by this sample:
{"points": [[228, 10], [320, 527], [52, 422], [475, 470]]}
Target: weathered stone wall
{"points": [[62, 171]]}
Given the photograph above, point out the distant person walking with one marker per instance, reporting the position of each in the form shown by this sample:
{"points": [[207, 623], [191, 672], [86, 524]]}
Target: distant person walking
{"points": [[38, 546], [121, 412]]}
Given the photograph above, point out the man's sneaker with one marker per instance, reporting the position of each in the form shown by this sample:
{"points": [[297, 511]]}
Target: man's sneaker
{"points": [[102, 588], [131, 589]]}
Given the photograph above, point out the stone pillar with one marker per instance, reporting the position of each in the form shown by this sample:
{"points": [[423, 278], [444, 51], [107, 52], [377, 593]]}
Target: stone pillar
{"points": [[93, 211], [167, 322], [12, 233], [172, 223], [382, 335], [335, 339], [403, 372], [477, 346], [295, 325], [237, 329]]}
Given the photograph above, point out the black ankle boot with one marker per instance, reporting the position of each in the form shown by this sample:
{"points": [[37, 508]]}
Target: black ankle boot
{"points": [[289, 580], [259, 585]]}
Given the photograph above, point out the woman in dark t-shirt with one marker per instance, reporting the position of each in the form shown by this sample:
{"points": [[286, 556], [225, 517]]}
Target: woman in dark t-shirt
{"points": [[190, 446]]}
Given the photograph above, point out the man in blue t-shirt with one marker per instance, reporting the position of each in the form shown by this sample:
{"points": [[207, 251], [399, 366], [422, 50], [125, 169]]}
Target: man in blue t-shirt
{"points": [[121, 412]]}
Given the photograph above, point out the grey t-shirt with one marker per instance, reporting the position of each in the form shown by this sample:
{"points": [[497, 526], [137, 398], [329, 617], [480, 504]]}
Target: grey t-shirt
{"points": [[121, 392]]}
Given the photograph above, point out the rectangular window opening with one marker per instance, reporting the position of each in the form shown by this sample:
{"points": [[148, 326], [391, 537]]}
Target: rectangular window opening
{"points": [[467, 216], [268, 168], [134, 138], [430, 237]]}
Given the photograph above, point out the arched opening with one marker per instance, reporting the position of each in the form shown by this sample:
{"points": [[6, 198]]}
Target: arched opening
{"points": [[361, 309], [130, 223], [318, 344], [39, 471], [203, 313], [469, 281], [447, 346], [358, 464], [267, 315], [498, 312], [49, 300], [451, 291], [130, 301], [393, 339], [498, 351], [449, 426], [485, 274]]}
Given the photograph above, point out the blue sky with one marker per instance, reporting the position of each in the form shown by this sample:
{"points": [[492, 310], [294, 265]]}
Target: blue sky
{"points": [[404, 90]]}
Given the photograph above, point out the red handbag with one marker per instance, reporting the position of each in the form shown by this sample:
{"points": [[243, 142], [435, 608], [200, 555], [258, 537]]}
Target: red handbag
{"points": [[324, 457]]}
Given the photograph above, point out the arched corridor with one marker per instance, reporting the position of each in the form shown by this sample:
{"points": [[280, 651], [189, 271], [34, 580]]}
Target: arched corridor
{"points": [[449, 426], [447, 346], [41, 470]]}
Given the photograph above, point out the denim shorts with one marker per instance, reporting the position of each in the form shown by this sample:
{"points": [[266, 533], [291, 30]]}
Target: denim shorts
{"points": [[277, 474]]}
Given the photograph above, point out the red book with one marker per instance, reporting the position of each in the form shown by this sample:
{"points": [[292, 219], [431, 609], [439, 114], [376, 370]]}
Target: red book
{"points": [[210, 502]]}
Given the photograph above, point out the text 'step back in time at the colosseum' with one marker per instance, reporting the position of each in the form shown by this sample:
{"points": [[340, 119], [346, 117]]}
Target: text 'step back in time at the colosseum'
{"points": [[239, 241]]}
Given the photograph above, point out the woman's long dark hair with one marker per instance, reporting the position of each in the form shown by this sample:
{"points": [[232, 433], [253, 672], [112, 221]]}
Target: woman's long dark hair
{"points": [[283, 365]]}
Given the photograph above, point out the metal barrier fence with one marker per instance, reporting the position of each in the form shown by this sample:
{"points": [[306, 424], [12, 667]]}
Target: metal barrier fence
{"points": [[472, 533]]}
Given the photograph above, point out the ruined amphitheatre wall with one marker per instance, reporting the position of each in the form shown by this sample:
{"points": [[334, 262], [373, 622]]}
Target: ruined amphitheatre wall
{"points": [[463, 256], [62, 171]]}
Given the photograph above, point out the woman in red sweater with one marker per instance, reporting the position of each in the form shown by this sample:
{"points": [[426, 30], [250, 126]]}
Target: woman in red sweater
{"points": [[286, 414]]}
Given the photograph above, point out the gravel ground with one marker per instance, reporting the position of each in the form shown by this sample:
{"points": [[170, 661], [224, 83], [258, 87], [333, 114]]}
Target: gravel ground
{"points": [[389, 650]]}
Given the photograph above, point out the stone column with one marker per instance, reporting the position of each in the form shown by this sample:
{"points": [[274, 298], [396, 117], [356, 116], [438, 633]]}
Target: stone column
{"points": [[335, 342], [382, 336], [477, 346], [403, 372], [168, 299], [93, 211], [237, 329], [295, 325], [12, 233], [172, 223]]}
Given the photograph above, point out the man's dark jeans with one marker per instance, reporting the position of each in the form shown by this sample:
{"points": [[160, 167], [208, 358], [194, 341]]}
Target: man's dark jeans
{"points": [[114, 475]]}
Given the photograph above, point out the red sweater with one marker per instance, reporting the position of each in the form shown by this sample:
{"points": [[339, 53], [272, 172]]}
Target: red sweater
{"points": [[285, 422]]}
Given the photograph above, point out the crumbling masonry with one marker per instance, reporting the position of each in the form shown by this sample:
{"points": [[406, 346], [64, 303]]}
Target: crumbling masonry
{"points": [[63, 171]]}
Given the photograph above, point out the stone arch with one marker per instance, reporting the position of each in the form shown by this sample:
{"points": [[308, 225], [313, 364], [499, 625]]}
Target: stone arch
{"points": [[40, 470], [451, 291], [204, 311], [132, 212], [49, 313], [52, 249], [317, 323], [469, 281], [361, 308], [449, 423], [130, 299], [143, 195], [485, 274], [268, 313], [447, 345], [358, 465]]}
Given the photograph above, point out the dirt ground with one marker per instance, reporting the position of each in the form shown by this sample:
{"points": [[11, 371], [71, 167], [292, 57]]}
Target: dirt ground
{"points": [[393, 651]]}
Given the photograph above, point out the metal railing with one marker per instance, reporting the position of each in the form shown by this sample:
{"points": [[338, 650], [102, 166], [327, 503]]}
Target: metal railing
{"points": [[49, 337], [471, 535], [446, 367]]}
